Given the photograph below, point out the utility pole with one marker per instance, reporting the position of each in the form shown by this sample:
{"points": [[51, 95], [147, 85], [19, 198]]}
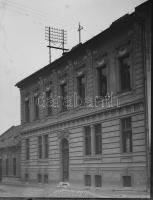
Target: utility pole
{"points": [[79, 29], [55, 36]]}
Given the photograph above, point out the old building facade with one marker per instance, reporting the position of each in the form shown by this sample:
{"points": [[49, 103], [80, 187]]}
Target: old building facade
{"points": [[83, 116], [10, 151]]}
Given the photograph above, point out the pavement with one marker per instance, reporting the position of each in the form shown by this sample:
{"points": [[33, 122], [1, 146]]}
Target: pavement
{"points": [[25, 190]]}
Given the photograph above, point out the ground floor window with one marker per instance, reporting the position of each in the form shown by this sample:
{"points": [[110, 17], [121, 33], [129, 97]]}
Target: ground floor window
{"points": [[46, 178], [26, 177], [98, 181], [87, 179], [127, 181], [39, 178]]}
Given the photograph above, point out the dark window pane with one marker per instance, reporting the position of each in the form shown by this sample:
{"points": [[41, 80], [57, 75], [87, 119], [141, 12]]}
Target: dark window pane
{"points": [[26, 177], [87, 140], [46, 178], [87, 180], [36, 107], [125, 74], [14, 166], [39, 178], [46, 146], [63, 97], [98, 142], [98, 181], [7, 166], [81, 89], [40, 146], [102, 74], [27, 149], [27, 111], [49, 105], [127, 181], [126, 135]]}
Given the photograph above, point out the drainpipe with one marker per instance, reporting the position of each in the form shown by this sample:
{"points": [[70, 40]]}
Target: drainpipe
{"points": [[147, 143]]}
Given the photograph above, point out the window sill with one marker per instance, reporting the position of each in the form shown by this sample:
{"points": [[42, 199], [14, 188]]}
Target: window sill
{"points": [[126, 155], [124, 93], [42, 160], [93, 157]]}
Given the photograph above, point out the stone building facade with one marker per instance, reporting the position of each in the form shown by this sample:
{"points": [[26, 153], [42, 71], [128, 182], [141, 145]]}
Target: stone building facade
{"points": [[84, 116], [10, 151]]}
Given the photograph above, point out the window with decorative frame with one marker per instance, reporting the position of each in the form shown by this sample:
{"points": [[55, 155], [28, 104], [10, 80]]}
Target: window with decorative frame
{"points": [[27, 110], [102, 80], [14, 166], [63, 88], [81, 89], [98, 139], [98, 181], [87, 180], [126, 135], [36, 107], [48, 102], [27, 148], [87, 131], [43, 146]]}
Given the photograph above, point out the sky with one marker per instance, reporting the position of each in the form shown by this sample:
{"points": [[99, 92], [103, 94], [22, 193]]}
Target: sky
{"points": [[22, 39]]}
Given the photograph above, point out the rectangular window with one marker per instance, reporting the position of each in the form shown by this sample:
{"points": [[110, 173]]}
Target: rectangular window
{"points": [[46, 146], [39, 178], [87, 179], [48, 100], [63, 97], [87, 140], [126, 181], [102, 81], [27, 149], [125, 77], [126, 135], [46, 178], [81, 89], [40, 147], [98, 181], [26, 177], [98, 139], [27, 111], [43, 147], [14, 166], [36, 107], [7, 166]]}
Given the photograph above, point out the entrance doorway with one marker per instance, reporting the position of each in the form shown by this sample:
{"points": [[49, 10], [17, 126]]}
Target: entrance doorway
{"points": [[65, 159]]}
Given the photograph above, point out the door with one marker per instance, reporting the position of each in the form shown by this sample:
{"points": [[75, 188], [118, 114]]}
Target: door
{"points": [[65, 159]]}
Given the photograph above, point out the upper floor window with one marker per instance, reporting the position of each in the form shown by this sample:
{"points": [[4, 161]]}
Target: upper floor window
{"points": [[48, 100], [14, 166], [87, 140], [81, 89], [7, 166], [98, 139], [27, 149], [27, 111], [36, 107], [125, 77], [102, 80], [43, 147], [126, 135], [63, 97]]}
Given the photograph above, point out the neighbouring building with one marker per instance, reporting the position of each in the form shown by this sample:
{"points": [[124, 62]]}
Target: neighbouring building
{"points": [[10, 151], [85, 117]]}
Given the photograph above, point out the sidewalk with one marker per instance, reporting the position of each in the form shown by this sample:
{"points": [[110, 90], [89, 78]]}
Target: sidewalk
{"points": [[53, 191]]}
